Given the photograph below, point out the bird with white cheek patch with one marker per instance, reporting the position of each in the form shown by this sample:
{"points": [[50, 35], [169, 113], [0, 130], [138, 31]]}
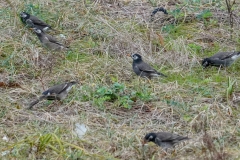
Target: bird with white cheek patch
{"points": [[221, 59], [142, 69], [49, 41], [164, 139], [57, 92], [34, 22]]}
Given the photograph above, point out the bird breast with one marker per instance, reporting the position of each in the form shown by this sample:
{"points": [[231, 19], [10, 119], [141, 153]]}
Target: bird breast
{"points": [[69, 88]]}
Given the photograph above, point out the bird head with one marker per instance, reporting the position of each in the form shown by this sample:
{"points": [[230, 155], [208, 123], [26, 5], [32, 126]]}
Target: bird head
{"points": [[205, 62], [73, 82], [136, 57], [24, 15], [150, 137]]}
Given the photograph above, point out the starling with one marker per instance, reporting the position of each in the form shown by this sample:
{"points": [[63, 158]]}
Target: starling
{"points": [[164, 139], [57, 92], [221, 59], [48, 41], [142, 69], [34, 22]]}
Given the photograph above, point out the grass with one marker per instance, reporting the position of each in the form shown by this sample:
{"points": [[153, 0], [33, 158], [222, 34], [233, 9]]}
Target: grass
{"points": [[118, 107]]}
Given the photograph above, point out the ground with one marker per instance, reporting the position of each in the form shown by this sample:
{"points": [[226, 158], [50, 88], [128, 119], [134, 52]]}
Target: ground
{"points": [[117, 107]]}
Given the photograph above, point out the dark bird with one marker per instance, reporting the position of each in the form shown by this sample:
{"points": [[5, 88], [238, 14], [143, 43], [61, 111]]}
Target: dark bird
{"points": [[34, 22], [142, 69], [221, 59], [158, 10], [49, 41], [164, 139], [57, 92]]}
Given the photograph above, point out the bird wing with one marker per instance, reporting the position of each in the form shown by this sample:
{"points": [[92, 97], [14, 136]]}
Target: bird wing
{"points": [[52, 39], [38, 21], [144, 67], [30, 23], [57, 89], [164, 144], [66, 86], [223, 55], [217, 62], [158, 141], [167, 137]]}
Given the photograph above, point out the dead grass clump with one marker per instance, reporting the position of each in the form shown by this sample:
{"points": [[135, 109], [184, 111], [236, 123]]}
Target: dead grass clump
{"points": [[180, 55], [210, 146]]}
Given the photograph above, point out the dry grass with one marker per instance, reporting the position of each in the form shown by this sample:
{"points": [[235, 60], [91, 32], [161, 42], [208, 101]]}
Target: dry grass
{"points": [[190, 101]]}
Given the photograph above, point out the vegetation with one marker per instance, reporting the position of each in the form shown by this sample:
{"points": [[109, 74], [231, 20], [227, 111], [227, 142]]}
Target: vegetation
{"points": [[118, 107]]}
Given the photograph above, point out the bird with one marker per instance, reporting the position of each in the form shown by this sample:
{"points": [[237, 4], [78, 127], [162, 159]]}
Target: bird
{"points": [[158, 10], [142, 69], [57, 92], [49, 41], [164, 139], [221, 59], [33, 21]]}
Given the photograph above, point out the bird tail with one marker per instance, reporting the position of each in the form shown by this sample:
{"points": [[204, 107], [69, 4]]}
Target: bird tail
{"points": [[35, 102], [162, 74], [185, 138]]}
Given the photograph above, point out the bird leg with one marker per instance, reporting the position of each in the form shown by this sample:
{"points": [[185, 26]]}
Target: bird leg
{"points": [[151, 84]]}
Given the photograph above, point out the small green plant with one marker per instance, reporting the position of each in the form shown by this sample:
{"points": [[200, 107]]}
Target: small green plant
{"points": [[195, 47], [176, 13], [205, 14], [119, 95], [100, 101], [168, 28], [43, 142], [230, 88], [32, 9], [114, 93], [143, 95]]}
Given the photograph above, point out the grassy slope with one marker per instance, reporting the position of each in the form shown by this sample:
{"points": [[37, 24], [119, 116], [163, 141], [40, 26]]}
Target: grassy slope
{"points": [[188, 102]]}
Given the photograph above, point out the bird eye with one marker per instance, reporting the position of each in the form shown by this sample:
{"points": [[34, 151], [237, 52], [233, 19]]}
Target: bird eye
{"points": [[151, 137]]}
